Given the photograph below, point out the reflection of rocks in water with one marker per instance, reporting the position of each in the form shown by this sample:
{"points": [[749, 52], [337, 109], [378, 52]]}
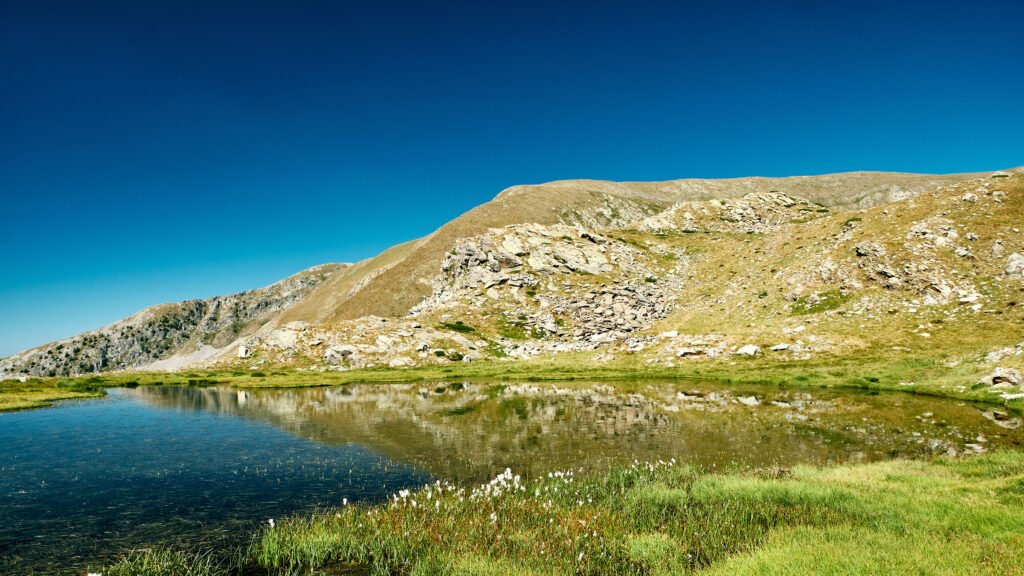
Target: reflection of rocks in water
{"points": [[1002, 418], [469, 431]]}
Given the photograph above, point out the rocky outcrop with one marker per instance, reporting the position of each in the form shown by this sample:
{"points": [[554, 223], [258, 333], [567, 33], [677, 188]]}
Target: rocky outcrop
{"points": [[1003, 377], [193, 330], [754, 213], [515, 255], [561, 280]]}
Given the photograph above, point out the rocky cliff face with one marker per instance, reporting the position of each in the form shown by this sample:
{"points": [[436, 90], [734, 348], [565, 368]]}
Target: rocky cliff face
{"points": [[193, 329]]}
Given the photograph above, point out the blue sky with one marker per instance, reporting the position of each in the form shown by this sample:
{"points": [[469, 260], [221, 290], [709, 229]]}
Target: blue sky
{"points": [[159, 151]]}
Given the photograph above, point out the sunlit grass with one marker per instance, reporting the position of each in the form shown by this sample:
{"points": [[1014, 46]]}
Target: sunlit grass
{"points": [[167, 562], [949, 516], [896, 517], [37, 393]]}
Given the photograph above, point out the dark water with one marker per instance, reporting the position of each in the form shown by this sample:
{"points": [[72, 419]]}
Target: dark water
{"points": [[164, 465]]}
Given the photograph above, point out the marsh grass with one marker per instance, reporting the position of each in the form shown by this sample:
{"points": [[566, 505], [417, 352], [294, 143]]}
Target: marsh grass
{"points": [[169, 562], [645, 519], [36, 393], [948, 516]]}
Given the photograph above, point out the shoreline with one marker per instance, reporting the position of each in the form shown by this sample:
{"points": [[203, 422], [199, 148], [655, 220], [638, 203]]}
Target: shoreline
{"points": [[942, 515], [913, 375]]}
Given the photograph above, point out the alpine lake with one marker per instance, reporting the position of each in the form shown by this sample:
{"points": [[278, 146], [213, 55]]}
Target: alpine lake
{"points": [[84, 481]]}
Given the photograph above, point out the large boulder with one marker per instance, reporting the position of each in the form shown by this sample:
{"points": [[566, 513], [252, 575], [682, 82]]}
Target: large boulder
{"points": [[336, 354], [748, 350], [868, 248], [1015, 265], [1002, 378]]}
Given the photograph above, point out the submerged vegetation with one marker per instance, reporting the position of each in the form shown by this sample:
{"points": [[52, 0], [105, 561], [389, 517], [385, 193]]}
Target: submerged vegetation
{"points": [[947, 516]]}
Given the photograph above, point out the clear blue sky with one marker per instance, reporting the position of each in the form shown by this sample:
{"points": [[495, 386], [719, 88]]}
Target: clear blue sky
{"points": [[159, 151]]}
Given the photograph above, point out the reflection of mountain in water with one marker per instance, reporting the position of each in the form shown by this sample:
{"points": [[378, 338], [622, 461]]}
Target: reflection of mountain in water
{"points": [[471, 431]]}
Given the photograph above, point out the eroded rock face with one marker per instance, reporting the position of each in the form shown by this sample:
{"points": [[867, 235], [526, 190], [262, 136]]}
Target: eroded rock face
{"points": [[917, 268], [166, 331], [755, 213], [515, 255], [579, 287], [607, 313]]}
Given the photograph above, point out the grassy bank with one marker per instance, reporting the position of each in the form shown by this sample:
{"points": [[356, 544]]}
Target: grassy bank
{"points": [[948, 516], [38, 393], [874, 369]]}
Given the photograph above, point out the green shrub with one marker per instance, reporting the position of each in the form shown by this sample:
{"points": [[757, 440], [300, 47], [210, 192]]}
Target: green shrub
{"points": [[457, 326], [815, 303]]}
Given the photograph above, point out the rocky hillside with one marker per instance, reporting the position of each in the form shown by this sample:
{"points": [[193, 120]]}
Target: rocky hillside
{"points": [[391, 284], [168, 335], [663, 273], [765, 273]]}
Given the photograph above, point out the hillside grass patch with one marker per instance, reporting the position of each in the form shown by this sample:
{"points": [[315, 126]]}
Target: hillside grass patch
{"points": [[818, 302]]}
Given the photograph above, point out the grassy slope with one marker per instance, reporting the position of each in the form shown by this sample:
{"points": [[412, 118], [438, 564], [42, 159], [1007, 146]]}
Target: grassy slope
{"points": [[400, 276], [942, 517]]}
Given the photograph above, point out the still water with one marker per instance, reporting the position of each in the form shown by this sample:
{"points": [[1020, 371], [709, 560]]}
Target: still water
{"points": [[84, 480]]}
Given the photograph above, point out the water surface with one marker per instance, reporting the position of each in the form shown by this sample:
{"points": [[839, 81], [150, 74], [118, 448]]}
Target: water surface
{"points": [[83, 480]]}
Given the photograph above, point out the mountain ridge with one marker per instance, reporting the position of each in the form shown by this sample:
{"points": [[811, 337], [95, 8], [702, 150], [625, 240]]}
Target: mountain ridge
{"points": [[400, 279]]}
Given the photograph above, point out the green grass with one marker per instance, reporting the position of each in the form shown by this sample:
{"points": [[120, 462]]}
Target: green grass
{"points": [[37, 393], [637, 520], [817, 303], [519, 330], [948, 516], [457, 326], [168, 562]]}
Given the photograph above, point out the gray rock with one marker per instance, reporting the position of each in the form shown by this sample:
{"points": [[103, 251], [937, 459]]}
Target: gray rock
{"points": [[336, 354], [1006, 376], [1015, 265], [865, 249], [748, 350], [1002, 377]]}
